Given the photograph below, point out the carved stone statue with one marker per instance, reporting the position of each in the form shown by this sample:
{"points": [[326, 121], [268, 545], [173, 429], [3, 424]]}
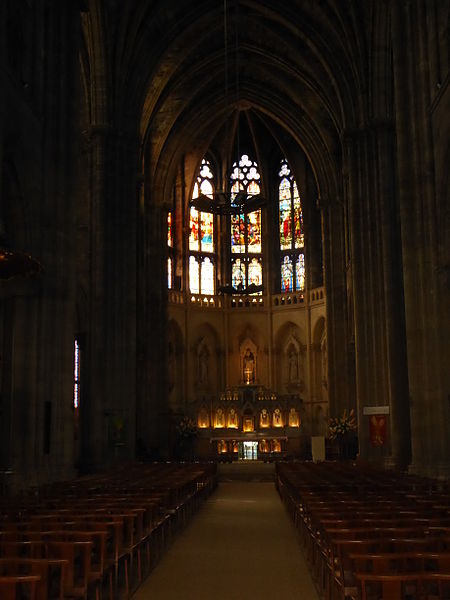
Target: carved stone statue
{"points": [[293, 366]]}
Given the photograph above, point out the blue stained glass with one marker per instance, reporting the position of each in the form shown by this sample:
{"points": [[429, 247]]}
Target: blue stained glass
{"points": [[287, 275], [207, 232]]}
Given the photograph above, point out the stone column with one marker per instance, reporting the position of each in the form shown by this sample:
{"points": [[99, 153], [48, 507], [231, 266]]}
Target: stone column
{"points": [[393, 301], [152, 409], [340, 386], [372, 388], [426, 299]]}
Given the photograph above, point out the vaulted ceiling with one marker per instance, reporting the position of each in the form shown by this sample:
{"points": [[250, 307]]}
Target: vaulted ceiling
{"points": [[175, 70]]}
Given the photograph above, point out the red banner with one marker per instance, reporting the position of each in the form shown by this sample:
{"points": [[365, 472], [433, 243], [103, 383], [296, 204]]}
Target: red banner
{"points": [[377, 430]]}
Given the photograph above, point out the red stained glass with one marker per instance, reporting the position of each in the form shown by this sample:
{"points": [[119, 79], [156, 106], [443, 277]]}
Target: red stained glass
{"points": [[287, 275], [238, 234], [254, 232], [193, 230], [169, 229]]}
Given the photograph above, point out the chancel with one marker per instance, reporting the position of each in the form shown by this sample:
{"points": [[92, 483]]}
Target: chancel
{"points": [[228, 225]]}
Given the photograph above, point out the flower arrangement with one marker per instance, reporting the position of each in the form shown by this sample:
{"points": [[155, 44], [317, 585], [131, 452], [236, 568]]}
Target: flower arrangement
{"points": [[186, 427], [339, 426]]}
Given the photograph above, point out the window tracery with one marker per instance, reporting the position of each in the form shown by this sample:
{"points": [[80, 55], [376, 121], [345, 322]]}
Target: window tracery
{"points": [[201, 237], [246, 235], [291, 232]]}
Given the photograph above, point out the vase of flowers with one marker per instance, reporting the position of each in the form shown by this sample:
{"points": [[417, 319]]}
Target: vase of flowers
{"points": [[342, 430]]}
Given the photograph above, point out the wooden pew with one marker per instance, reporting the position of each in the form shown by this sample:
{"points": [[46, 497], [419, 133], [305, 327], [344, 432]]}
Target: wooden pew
{"points": [[15, 587], [52, 574]]}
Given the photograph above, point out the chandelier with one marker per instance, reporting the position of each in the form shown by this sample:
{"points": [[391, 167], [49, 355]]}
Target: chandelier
{"points": [[237, 201]]}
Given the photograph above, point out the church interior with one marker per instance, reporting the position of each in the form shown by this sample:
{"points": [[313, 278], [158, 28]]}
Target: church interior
{"points": [[224, 237]]}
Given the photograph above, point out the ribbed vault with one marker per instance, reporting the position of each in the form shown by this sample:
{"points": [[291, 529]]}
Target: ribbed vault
{"points": [[300, 65]]}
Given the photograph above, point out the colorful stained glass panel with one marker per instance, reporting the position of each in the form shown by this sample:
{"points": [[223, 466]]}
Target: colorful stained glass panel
{"points": [[207, 232], [193, 230], [287, 275], [237, 234], [298, 223], [285, 225], [254, 231], [169, 229]]}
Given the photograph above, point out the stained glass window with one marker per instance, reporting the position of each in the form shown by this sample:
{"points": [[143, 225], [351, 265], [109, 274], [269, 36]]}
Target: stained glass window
{"points": [[169, 230], [207, 231], [287, 275], [255, 272], [246, 238], [76, 375], [292, 240], [201, 236], [170, 250], [300, 272], [238, 234], [169, 273], [194, 230], [194, 275], [207, 276], [238, 274]]}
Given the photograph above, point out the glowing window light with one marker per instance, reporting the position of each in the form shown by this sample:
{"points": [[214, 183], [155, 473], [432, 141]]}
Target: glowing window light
{"points": [[291, 232], [76, 375]]}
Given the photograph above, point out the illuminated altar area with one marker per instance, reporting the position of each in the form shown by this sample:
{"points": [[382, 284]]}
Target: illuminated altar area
{"points": [[250, 422]]}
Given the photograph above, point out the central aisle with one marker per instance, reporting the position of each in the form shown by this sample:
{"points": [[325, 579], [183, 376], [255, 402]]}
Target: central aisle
{"points": [[241, 545]]}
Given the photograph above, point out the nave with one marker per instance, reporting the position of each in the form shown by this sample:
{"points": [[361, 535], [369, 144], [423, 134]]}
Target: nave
{"points": [[338, 530], [240, 545]]}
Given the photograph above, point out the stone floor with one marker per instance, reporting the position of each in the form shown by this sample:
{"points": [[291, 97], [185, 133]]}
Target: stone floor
{"points": [[240, 545]]}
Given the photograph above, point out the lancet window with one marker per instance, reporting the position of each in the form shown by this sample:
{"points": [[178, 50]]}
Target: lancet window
{"points": [[170, 247], [292, 240], [246, 237], [202, 259]]}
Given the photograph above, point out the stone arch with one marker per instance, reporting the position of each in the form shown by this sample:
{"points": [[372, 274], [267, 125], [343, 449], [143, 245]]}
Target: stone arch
{"points": [[290, 359], [204, 364]]}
